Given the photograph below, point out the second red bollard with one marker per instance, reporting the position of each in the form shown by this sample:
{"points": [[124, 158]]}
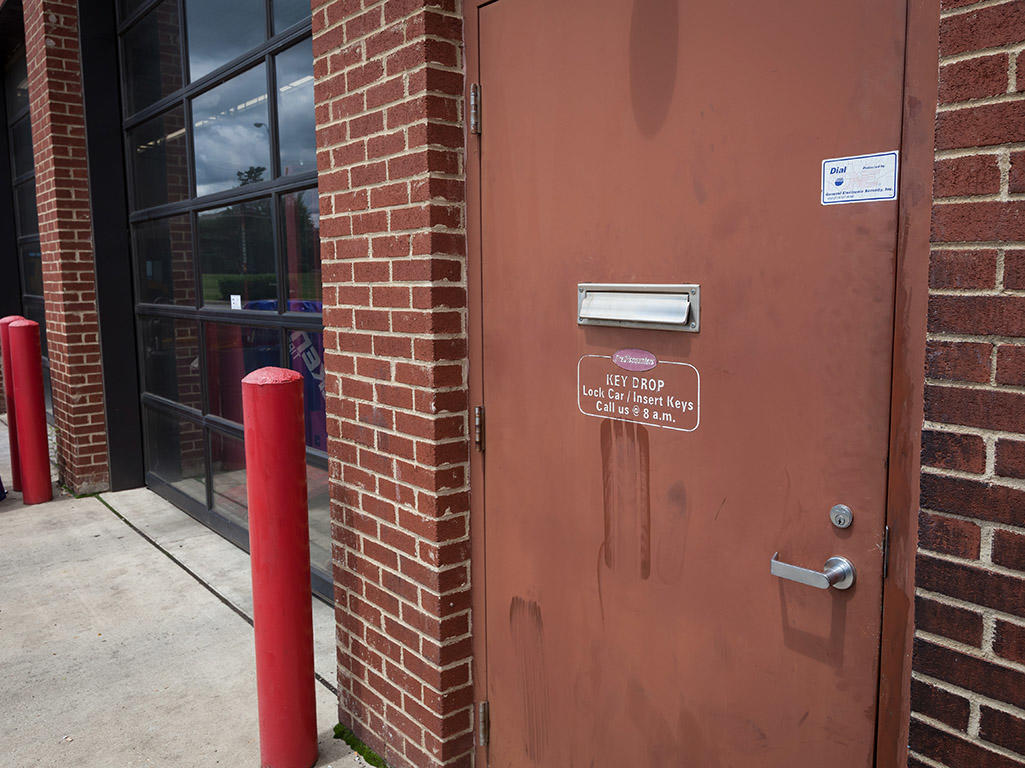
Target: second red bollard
{"points": [[279, 548], [30, 411], [12, 419]]}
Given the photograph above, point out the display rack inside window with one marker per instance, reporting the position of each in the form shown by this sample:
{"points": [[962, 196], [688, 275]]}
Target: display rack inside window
{"points": [[221, 156]]}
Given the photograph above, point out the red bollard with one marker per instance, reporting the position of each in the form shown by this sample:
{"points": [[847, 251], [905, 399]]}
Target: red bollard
{"points": [[12, 420], [279, 547], [30, 411]]}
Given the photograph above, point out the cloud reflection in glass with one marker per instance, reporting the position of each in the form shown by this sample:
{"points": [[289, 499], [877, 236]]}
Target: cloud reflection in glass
{"points": [[296, 131], [232, 143]]}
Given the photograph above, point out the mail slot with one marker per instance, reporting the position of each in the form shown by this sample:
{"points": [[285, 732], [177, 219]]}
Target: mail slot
{"points": [[626, 305]]}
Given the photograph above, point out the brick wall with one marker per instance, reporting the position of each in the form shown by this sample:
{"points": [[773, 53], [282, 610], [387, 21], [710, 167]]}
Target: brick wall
{"points": [[389, 132], [69, 286], [968, 687]]}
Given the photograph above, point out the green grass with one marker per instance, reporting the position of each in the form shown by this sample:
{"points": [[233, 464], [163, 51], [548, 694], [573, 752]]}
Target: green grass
{"points": [[306, 284], [361, 749]]}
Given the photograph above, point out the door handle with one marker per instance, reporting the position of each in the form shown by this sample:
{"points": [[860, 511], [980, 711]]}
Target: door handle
{"points": [[838, 572]]}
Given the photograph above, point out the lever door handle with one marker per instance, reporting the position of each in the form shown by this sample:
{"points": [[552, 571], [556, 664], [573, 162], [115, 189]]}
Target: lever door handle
{"points": [[837, 572]]}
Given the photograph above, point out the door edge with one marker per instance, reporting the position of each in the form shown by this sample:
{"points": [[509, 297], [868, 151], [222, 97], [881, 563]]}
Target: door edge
{"points": [[907, 382], [475, 378]]}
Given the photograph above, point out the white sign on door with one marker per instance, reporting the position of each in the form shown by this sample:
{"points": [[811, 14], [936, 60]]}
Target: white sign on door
{"points": [[859, 179]]}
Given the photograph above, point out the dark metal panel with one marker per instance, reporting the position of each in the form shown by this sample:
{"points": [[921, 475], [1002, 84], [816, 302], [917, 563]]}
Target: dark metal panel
{"points": [[114, 295]]}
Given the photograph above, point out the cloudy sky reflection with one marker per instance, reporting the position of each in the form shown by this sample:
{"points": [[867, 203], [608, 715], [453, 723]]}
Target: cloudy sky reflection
{"points": [[221, 30], [231, 133], [296, 132]]}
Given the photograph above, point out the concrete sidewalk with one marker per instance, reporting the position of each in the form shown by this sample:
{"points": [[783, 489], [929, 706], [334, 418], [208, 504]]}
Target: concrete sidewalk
{"points": [[124, 639]]}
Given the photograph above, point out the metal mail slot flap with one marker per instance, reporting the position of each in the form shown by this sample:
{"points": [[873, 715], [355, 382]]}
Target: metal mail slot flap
{"points": [[662, 307]]}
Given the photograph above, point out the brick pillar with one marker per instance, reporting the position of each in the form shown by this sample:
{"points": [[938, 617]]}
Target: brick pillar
{"points": [[69, 285], [390, 137], [968, 687]]}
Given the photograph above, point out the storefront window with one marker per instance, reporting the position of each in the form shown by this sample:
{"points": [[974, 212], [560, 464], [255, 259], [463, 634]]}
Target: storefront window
{"points": [[219, 130], [23, 175]]}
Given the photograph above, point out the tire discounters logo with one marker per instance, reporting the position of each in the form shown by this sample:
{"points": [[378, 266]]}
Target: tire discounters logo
{"points": [[634, 360], [633, 385]]}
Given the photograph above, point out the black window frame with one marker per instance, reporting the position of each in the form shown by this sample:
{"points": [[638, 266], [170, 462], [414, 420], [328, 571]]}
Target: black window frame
{"points": [[274, 188], [33, 305]]}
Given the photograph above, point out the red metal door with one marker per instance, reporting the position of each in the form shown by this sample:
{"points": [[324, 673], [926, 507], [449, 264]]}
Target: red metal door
{"points": [[631, 618]]}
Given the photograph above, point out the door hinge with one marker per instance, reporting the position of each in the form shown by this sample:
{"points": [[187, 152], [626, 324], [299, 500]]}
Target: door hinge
{"points": [[483, 724], [886, 550], [475, 108], [478, 428]]}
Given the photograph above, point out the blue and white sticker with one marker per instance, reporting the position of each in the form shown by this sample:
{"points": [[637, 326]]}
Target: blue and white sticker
{"points": [[859, 179]]}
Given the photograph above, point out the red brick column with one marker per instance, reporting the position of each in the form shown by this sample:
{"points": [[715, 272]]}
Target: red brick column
{"points": [[968, 688], [69, 286], [390, 137]]}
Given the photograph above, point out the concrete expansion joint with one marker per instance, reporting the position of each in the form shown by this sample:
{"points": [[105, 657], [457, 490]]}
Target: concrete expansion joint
{"points": [[240, 612]]}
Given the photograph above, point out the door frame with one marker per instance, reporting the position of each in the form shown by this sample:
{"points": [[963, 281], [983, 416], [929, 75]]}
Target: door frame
{"points": [[906, 387]]}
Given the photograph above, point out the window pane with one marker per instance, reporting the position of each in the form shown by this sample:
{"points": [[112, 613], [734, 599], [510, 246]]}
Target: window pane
{"points": [[319, 502], [300, 226], [164, 262], [128, 7], [174, 453], [232, 351], [48, 392], [306, 353], [25, 200], [32, 268], [228, 470], [232, 137], [160, 160], [289, 12], [152, 57], [21, 146], [170, 365], [16, 85], [221, 30], [34, 310], [296, 132], [236, 249]]}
